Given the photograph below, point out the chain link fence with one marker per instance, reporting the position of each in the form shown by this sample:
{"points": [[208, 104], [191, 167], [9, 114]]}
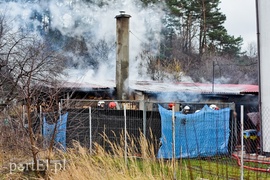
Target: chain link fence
{"points": [[107, 122], [107, 118]]}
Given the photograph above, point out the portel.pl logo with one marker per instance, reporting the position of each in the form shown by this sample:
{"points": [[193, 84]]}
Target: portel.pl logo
{"points": [[42, 165]]}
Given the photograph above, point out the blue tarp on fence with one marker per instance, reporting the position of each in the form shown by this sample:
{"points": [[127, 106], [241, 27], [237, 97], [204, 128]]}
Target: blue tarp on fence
{"points": [[60, 137], [201, 134]]}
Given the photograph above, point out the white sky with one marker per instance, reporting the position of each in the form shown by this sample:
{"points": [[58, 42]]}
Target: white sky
{"points": [[241, 19]]}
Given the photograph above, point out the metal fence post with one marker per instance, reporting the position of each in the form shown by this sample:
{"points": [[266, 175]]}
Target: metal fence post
{"points": [[60, 110], [125, 131], [40, 121], [173, 138], [90, 129], [242, 142], [233, 128], [144, 118]]}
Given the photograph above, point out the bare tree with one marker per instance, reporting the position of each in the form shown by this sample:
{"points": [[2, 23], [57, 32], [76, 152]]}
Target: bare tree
{"points": [[29, 73], [252, 50]]}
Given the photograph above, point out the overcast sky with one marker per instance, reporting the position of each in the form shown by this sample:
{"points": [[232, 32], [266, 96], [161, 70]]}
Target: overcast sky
{"points": [[241, 19]]}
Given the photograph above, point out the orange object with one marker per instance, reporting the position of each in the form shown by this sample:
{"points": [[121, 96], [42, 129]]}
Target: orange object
{"points": [[171, 105], [112, 105]]}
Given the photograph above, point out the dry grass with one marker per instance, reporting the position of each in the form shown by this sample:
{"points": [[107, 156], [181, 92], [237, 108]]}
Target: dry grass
{"points": [[81, 164], [140, 163]]}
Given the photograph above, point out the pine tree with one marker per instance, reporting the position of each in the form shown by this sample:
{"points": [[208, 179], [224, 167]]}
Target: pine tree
{"points": [[201, 22]]}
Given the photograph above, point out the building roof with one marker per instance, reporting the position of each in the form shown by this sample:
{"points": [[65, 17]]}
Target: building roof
{"points": [[88, 86], [167, 87], [203, 88]]}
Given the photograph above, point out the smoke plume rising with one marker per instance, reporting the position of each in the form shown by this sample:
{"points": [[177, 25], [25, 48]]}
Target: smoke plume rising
{"points": [[92, 23]]}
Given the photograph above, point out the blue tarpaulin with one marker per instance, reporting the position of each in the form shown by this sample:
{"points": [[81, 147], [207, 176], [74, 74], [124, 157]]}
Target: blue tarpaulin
{"points": [[201, 134], [60, 137]]}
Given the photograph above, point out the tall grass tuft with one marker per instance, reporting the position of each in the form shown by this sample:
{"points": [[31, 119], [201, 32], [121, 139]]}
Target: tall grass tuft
{"points": [[141, 162]]}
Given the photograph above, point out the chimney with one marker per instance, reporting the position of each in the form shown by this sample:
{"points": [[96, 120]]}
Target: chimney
{"points": [[122, 55]]}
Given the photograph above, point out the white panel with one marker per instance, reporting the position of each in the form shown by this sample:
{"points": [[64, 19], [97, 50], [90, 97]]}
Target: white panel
{"points": [[264, 38]]}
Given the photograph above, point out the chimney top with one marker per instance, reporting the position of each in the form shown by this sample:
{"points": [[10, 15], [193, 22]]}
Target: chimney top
{"points": [[122, 15]]}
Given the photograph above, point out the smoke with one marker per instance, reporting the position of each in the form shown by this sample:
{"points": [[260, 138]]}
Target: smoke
{"points": [[92, 23], [178, 96], [20, 15]]}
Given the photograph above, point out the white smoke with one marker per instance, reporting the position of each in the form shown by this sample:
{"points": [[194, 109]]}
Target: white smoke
{"points": [[77, 19], [100, 21], [19, 15]]}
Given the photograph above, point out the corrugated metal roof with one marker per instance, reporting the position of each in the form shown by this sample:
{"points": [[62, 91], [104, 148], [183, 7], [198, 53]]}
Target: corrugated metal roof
{"points": [[152, 86], [89, 86], [157, 87]]}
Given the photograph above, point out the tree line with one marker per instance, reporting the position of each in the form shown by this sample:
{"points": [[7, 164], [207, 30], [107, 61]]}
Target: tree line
{"points": [[195, 43]]}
